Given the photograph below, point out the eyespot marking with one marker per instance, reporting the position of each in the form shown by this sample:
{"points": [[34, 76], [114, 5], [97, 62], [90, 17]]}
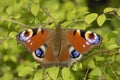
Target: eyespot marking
{"points": [[25, 35], [73, 53], [92, 38], [39, 53]]}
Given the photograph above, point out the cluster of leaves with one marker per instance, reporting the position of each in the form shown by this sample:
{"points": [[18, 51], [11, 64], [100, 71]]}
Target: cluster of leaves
{"points": [[17, 63]]}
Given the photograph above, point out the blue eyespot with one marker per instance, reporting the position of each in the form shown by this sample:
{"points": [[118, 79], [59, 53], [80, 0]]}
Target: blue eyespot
{"points": [[92, 38], [96, 40], [25, 35], [75, 54], [39, 53], [22, 37]]}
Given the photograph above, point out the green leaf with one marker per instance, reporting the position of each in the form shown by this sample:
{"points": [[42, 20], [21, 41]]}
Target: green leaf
{"points": [[8, 76], [25, 71], [13, 58], [113, 46], [17, 27], [96, 72], [36, 1], [100, 58], [6, 44], [108, 9], [66, 73], [53, 72], [12, 34], [77, 66], [38, 75], [101, 19], [92, 64], [9, 24], [34, 9], [6, 58], [118, 12], [9, 10], [34, 65], [90, 17]]}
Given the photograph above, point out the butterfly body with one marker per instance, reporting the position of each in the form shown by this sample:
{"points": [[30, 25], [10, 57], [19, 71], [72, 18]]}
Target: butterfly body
{"points": [[61, 47]]}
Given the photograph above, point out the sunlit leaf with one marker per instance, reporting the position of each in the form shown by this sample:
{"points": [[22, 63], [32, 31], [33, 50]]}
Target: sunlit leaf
{"points": [[53, 72], [99, 58], [35, 9], [77, 66], [36, 1], [35, 65], [7, 76], [90, 17], [118, 12], [6, 58], [6, 44], [113, 46], [108, 9], [12, 34], [9, 10], [25, 71], [38, 75], [101, 19], [9, 24], [96, 72], [13, 58], [92, 64], [66, 73]]}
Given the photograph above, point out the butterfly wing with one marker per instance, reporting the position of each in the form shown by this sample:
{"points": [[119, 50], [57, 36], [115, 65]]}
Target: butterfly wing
{"points": [[37, 41], [83, 40], [34, 38], [45, 55], [58, 47]]}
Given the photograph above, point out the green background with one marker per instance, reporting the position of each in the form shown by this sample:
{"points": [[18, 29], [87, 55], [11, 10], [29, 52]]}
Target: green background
{"points": [[100, 16]]}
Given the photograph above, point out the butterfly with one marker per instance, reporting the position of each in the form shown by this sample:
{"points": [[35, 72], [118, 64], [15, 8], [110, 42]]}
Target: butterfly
{"points": [[58, 47]]}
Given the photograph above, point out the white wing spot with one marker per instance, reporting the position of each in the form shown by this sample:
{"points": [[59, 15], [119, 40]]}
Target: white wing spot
{"points": [[71, 49], [28, 41], [83, 45], [31, 43], [87, 43]]}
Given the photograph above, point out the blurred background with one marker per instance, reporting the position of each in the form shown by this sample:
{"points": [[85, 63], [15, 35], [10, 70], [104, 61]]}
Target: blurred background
{"points": [[102, 63]]}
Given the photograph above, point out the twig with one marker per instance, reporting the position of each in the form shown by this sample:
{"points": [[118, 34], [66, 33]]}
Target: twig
{"points": [[115, 15], [117, 78], [48, 14], [85, 78], [14, 21]]}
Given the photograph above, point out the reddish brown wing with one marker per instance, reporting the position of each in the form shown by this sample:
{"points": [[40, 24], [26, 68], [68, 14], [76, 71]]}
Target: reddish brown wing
{"points": [[34, 38], [45, 55], [64, 54], [82, 40]]}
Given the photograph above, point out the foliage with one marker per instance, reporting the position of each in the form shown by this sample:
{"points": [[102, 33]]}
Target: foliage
{"points": [[102, 63]]}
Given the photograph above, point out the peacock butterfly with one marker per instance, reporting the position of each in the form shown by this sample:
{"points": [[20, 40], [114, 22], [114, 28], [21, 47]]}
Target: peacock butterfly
{"points": [[60, 47]]}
